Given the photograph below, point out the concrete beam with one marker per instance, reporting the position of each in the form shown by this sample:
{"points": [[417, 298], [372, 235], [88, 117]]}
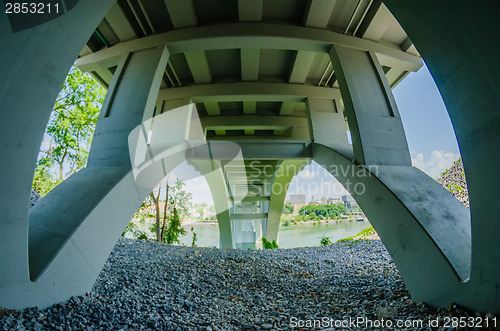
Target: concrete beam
{"points": [[248, 91], [212, 108], [251, 216], [181, 13], [198, 64], [251, 36], [287, 108], [250, 10], [257, 151], [328, 126], [249, 107], [318, 13], [301, 67], [250, 62], [255, 122], [250, 199], [119, 23]]}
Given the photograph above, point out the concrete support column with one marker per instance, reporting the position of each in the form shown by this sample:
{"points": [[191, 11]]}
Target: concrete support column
{"points": [[73, 229], [284, 174], [34, 66], [377, 132], [216, 180], [130, 100], [464, 64], [415, 218], [328, 125]]}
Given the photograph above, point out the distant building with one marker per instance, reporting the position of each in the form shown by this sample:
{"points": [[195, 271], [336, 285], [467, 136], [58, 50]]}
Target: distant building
{"points": [[297, 206], [323, 201], [297, 198], [333, 201], [349, 203], [347, 198]]}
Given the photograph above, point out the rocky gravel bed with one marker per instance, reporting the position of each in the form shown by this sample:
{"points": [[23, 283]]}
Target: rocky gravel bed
{"points": [[150, 286]]}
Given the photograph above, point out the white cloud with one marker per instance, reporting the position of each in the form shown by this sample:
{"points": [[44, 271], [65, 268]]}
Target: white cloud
{"points": [[438, 162]]}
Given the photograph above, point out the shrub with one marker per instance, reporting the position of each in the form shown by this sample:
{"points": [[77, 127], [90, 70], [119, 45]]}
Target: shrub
{"points": [[269, 245], [325, 241]]}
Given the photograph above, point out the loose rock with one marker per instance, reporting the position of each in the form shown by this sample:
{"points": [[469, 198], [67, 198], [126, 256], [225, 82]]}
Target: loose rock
{"points": [[150, 286]]}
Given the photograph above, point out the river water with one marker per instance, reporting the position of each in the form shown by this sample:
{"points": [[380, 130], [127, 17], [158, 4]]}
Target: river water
{"points": [[300, 235]]}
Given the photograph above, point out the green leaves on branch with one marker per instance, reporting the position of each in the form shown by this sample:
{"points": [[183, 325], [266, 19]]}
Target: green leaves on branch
{"points": [[269, 245], [195, 237], [70, 130], [287, 209], [325, 241]]}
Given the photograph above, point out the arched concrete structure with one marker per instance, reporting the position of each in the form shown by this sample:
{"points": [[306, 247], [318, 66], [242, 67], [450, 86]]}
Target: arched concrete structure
{"points": [[273, 81], [414, 229], [463, 66]]}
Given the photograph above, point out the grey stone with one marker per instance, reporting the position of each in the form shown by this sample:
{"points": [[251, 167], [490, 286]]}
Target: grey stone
{"points": [[386, 313]]}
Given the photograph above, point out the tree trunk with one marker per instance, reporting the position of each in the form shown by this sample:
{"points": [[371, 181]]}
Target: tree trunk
{"points": [[156, 201], [164, 216], [61, 164]]}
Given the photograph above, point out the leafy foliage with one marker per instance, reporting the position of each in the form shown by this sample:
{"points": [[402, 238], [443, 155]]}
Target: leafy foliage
{"points": [[362, 235], [195, 237], [70, 129], [287, 209], [315, 213], [452, 188], [269, 245], [43, 181], [179, 198], [325, 241], [174, 229], [135, 232]]}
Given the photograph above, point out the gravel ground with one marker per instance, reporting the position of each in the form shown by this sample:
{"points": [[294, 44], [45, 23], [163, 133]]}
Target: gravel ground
{"points": [[145, 285]]}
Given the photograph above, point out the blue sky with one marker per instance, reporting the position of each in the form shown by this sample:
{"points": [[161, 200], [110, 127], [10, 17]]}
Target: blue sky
{"points": [[430, 136]]}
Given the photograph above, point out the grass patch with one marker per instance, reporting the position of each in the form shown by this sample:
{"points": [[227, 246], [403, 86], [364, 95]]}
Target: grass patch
{"points": [[363, 235]]}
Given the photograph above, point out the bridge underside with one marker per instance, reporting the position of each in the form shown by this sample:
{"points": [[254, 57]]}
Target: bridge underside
{"points": [[286, 86]]}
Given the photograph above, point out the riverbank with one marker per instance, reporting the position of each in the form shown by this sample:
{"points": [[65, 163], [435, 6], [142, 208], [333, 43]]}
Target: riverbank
{"points": [[292, 222], [150, 286]]}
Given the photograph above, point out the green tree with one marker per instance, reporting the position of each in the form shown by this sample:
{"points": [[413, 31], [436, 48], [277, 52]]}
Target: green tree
{"points": [[70, 129], [312, 212], [176, 198], [43, 180], [180, 198], [174, 229], [287, 209]]}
